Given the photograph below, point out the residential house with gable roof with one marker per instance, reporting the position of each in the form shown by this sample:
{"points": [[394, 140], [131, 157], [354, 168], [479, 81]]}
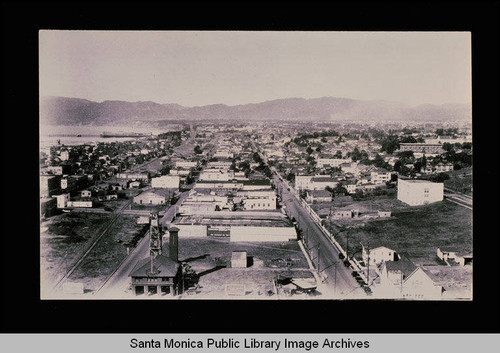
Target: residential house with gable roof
{"points": [[403, 279]]}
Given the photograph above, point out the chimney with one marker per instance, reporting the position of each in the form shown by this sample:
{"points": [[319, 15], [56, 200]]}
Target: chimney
{"points": [[173, 245]]}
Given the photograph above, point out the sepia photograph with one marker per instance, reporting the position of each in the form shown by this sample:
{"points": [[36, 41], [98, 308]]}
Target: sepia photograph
{"points": [[255, 165]]}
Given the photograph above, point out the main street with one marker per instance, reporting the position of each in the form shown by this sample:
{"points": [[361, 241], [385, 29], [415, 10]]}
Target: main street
{"points": [[337, 278]]}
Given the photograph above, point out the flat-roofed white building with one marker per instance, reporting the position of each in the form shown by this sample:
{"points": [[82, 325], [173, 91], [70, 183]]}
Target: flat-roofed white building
{"points": [[320, 183], [133, 176], [419, 192], [262, 234], [166, 182], [62, 200], [302, 181], [444, 167], [380, 176], [151, 197], [196, 207], [219, 164], [259, 203], [332, 162], [223, 154], [427, 148], [378, 255], [186, 164], [85, 204], [181, 172], [64, 155], [218, 185], [309, 182], [350, 187], [217, 174]]}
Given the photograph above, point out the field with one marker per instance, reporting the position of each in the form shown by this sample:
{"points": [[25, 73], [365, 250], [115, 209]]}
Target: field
{"points": [[153, 165], [416, 230], [370, 205], [64, 238]]}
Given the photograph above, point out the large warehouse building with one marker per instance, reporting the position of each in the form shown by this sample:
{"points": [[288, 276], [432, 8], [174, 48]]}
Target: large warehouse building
{"points": [[253, 226], [419, 192]]}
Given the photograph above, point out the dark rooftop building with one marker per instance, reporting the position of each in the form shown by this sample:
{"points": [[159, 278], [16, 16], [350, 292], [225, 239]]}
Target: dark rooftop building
{"points": [[160, 277]]}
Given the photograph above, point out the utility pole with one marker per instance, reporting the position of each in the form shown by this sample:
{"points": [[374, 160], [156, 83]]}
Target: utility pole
{"points": [[330, 219], [368, 266], [318, 258], [335, 279], [347, 246]]}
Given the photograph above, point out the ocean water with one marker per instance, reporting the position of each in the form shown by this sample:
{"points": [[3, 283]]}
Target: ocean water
{"points": [[68, 135]]}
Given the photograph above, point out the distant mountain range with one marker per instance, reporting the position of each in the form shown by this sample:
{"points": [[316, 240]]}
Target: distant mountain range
{"points": [[76, 111]]}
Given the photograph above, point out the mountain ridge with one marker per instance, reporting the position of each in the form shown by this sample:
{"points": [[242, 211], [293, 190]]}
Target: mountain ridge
{"points": [[56, 110]]}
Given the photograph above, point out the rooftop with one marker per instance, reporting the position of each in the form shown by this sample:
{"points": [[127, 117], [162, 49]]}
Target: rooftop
{"points": [[162, 267], [319, 193], [415, 181], [323, 179], [406, 266], [237, 218]]}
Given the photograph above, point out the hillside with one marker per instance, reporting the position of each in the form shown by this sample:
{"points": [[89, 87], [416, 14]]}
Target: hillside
{"points": [[75, 111]]}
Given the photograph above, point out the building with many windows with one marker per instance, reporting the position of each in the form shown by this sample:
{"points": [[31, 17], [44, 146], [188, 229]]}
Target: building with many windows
{"points": [[426, 148], [380, 176]]}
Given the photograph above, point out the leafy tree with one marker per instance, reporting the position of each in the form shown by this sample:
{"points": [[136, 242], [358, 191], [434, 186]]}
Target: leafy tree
{"points": [[340, 189], [358, 195], [197, 149], [311, 160], [404, 170], [423, 160], [397, 166], [466, 146], [406, 155], [390, 144], [407, 139], [256, 157], [165, 170], [417, 166], [309, 150], [439, 178], [448, 147], [380, 162]]}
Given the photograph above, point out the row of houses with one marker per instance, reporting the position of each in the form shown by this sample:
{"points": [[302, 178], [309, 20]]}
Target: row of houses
{"points": [[377, 176]]}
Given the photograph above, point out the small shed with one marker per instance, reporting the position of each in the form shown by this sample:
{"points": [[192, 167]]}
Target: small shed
{"points": [[239, 259], [384, 213]]}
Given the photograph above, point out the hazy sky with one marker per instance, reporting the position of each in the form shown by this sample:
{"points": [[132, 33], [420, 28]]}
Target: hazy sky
{"points": [[199, 68]]}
